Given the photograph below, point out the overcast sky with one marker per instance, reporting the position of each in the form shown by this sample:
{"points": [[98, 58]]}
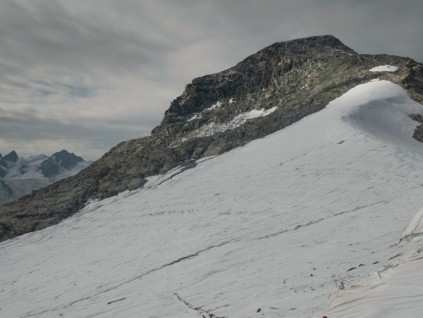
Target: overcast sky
{"points": [[86, 74]]}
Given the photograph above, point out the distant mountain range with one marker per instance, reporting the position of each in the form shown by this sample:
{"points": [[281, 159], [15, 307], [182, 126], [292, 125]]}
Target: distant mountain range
{"points": [[19, 176]]}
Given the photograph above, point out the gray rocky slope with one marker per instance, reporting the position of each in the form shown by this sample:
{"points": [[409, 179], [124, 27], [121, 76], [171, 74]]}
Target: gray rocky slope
{"points": [[285, 81]]}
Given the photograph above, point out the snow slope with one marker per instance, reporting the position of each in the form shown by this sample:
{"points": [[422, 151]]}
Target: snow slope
{"points": [[273, 229]]}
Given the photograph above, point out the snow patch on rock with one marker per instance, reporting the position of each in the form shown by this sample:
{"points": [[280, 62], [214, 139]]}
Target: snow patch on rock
{"points": [[213, 128], [215, 106], [196, 116], [384, 68]]}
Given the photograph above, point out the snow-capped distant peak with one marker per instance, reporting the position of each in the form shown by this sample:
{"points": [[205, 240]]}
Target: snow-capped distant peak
{"points": [[384, 68], [21, 175]]}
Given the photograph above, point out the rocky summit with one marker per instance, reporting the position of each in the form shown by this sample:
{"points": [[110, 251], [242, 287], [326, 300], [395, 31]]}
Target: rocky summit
{"points": [[266, 92]]}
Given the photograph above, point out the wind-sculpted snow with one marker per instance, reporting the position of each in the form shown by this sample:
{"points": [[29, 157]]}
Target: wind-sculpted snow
{"points": [[272, 229]]}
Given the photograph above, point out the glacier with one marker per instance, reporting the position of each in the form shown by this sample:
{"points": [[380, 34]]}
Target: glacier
{"points": [[305, 222]]}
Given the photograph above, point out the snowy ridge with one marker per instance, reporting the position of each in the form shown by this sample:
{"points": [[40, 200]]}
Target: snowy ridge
{"points": [[271, 229], [382, 113]]}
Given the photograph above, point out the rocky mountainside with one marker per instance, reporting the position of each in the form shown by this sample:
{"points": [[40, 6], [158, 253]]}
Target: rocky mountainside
{"points": [[19, 176], [266, 92]]}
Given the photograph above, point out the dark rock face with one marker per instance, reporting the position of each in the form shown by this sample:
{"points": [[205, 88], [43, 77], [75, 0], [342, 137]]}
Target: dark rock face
{"points": [[12, 156], [8, 160], [3, 172], [53, 165], [289, 80], [418, 132]]}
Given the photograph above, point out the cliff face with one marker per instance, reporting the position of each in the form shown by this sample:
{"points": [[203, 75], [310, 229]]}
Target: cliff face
{"points": [[266, 92]]}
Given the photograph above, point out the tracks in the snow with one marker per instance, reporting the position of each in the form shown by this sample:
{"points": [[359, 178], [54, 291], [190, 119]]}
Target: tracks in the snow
{"points": [[317, 221], [192, 255], [138, 277]]}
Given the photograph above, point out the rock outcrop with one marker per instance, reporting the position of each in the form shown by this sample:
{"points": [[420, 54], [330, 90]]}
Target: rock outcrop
{"points": [[264, 93]]}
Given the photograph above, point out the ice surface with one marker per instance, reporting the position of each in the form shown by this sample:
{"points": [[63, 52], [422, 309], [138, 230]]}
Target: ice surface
{"points": [[384, 68], [279, 225]]}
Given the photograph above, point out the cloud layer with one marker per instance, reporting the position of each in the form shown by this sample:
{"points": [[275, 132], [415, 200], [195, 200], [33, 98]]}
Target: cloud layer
{"points": [[85, 75]]}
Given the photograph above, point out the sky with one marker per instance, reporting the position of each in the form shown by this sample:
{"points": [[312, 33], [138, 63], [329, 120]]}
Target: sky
{"points": [[84, 75]]}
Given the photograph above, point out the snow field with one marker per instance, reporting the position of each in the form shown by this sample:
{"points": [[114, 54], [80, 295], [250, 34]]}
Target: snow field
{"points": [[271, 229]]}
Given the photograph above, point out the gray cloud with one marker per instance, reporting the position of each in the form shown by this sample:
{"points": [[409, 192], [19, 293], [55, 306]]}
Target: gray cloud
{"points": [[54, 34], [88, 74]]}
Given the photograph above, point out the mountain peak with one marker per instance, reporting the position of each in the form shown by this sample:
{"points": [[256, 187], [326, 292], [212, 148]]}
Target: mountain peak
{"points": [[254, 72], [59, 161], [64, 156], [319, 43], [9, 160], [12, 156], [62, 152]]}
